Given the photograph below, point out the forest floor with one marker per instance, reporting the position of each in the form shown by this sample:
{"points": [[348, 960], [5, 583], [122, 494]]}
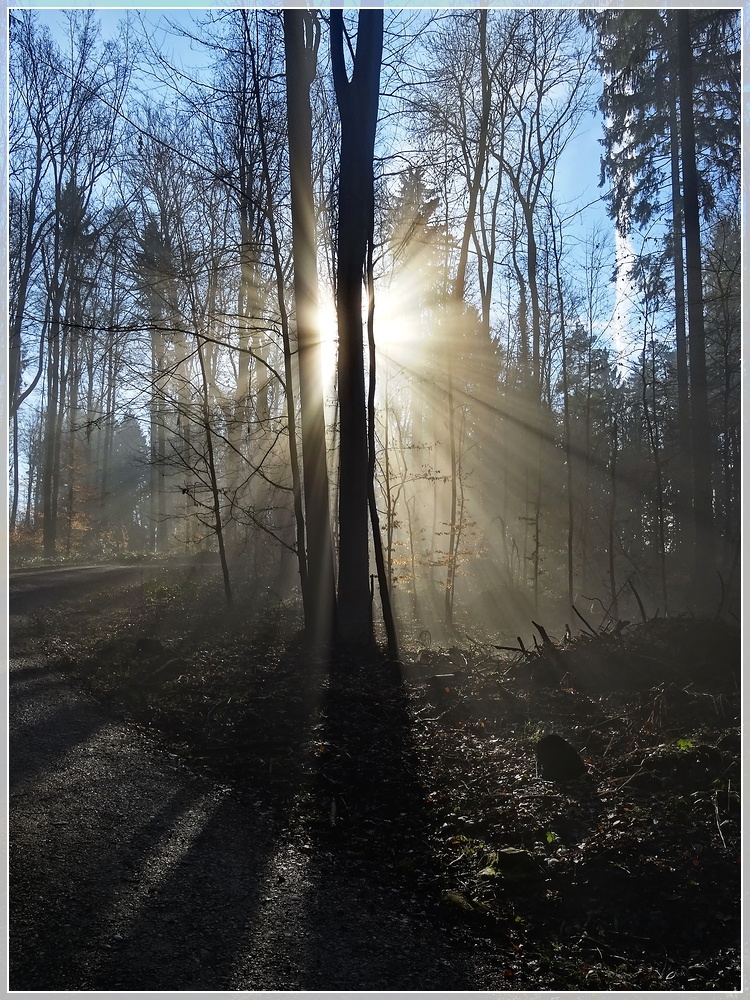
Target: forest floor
{"points": [[624, 875]]}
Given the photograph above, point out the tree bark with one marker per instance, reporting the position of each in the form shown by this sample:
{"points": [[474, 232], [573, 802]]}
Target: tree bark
{"points": [[301, 39], [458, 309], [51, 434], [683, 527], [383, 575], [357, 101], [288, 377], [614, 609], [213, 478], [704, 553]]}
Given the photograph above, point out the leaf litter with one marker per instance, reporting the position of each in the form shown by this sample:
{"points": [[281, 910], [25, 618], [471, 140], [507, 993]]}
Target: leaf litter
{"points": [[626, 876]]}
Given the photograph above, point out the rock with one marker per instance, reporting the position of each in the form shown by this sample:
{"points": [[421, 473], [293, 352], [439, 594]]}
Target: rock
{"points": [[557, 760]]}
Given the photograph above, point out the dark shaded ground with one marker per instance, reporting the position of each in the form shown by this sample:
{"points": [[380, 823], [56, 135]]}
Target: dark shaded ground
{"points": [[625, 878], [131, 872]]}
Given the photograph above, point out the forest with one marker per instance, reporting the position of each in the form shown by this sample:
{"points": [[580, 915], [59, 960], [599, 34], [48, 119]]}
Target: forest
{"points": [[345, 320], [374, 499]]}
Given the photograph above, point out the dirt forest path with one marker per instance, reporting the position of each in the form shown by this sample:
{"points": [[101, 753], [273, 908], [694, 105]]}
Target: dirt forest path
{"points": [[130, 872], [29, 589]]}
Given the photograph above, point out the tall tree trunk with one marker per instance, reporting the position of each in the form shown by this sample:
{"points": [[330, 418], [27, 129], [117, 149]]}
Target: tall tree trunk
{"points": [[704, 553], [458, 310], [156, 438], [557, 253], [73, 421], [14, 505], [357, 101], [213, 479], [301, 39], [288, 376], [105, 438], [652, 428], [682, 472], [614, 609], [60, 423], [383, 576], [450, 577], [30, 251], [51, 433]]}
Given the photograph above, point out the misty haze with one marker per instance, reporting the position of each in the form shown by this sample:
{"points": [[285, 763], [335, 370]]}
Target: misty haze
{"points": [[374, 394]]}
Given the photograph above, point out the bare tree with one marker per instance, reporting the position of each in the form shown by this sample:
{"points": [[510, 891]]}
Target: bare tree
{"points": [[301, 40], [357, 100]]}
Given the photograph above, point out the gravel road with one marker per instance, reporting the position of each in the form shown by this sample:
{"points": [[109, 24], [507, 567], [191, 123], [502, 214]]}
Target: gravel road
{"points": [[130, 872], [33, 588]]}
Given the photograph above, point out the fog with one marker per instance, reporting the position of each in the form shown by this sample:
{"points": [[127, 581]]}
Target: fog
{"points": [[532, 460]]}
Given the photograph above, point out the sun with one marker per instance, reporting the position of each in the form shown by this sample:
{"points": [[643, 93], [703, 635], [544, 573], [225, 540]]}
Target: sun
{"points": [[397, 336]]}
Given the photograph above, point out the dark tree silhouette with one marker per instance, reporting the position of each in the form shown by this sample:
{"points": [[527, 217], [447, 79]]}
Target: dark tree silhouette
{"points": [[357, 100]]}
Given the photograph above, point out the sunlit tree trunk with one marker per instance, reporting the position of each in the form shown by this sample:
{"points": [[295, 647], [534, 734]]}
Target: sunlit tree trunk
{"points": [[218, 524], [457, 310], [383, 575], [301, 38], [288, 373]]}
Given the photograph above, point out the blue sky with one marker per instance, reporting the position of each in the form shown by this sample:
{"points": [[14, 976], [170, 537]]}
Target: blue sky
{"points": [[578, 176]]}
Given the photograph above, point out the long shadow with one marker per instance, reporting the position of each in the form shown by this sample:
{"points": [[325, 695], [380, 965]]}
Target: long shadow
{"points": [[370, 787], [33, 676], [248, 907], [195, 893], [129, 873], [46, 722], [122, 869], [160, 887], [374, 818]]}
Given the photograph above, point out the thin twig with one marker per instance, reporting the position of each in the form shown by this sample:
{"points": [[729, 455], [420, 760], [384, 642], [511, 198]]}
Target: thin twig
{"points": [[714, 799]]}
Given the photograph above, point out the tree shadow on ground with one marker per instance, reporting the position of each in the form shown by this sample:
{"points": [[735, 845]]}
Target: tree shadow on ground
{"points": [[46, 724], [393, 796], [129, 871], [370, 795]]}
